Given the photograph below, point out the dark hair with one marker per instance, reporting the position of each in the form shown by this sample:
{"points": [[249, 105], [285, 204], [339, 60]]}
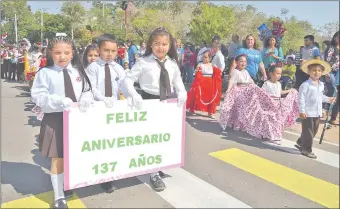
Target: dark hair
{"points": [[317, 45], [272, 68], [172, 53], [316, 65], [216, 38], [75, 60], [245, 43], [290, 58], [88, 48], [326, 42], [310, 37], [333, 43], [237, 58], [267, 42], [106, 38]]}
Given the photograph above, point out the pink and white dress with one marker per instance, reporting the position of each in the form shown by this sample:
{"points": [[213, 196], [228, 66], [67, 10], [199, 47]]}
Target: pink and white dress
{"points": [[248, 108]]}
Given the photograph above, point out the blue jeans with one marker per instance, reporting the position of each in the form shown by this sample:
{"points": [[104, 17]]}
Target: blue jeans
{"points": [[284, 81], [189, 71]]}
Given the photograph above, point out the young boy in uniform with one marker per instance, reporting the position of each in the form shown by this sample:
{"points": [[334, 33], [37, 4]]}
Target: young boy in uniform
{"points": [[311, 98]]}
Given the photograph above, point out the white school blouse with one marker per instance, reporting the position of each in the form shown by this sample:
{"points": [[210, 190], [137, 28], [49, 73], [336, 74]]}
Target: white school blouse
{"points": [[147, 72], [240, 77], [273, 89], [96, 73], [48, 90]]}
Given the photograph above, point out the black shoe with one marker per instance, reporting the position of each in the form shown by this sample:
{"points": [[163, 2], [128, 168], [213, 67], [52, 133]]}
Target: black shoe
{"points": [[61, 203], [308, 154], [161, 174], [298, 146], [68, 194], [157, 184], [108, 186]]}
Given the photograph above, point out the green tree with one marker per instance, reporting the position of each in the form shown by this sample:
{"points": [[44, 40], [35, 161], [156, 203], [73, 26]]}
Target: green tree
{"points": [[25, 18], [74, 12], [209, 20]]}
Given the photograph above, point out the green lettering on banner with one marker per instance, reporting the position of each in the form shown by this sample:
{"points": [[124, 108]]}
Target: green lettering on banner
{"points": [[129, 141], [166, 137], [86, 147], [109, 117], [146, 140], [119, 117], [132, 163], [121, 142], [111, 142], [96, 145], [154, 138], [138, 140], [142, 116], [128, 119]]}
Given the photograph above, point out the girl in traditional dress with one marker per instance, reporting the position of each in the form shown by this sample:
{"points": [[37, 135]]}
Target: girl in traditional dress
{"points": [[205, 93], [251, 109], [56, 88]]}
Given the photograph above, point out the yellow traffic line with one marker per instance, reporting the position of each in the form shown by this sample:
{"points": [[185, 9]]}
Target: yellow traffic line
{"points": [[43, 200], [317, 190]]}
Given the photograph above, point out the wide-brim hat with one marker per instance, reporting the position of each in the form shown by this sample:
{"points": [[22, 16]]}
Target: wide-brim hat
{"points": [[327, 67]]}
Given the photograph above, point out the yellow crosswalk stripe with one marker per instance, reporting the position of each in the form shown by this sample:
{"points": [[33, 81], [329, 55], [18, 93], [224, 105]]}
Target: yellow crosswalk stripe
{"points": [[43, 200], [317, 190]]}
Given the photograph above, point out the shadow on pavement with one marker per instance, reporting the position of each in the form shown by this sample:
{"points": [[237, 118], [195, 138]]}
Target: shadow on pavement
{"points": [[25, 178], [81, 192], [240, 137]]}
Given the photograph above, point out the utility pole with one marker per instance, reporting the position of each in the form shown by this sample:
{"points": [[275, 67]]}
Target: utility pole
{"points": [[16, 28], [41, 27], [103, 8], [124, 6]]}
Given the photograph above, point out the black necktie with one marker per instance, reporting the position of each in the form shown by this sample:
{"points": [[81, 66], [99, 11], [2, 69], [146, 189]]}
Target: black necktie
{"points": [[108, 84], [69, 92], [164, 82]]}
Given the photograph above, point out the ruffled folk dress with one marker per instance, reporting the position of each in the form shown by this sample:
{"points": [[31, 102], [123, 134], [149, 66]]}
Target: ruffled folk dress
{"points": [[206, 90], [251, 109]]}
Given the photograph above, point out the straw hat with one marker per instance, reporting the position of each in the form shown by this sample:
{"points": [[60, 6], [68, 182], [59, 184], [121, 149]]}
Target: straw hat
{"points": [[304, 66]]}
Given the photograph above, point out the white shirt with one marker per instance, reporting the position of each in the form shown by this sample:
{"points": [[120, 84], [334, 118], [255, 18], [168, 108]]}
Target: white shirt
{"points": [[218, 60], [48, 90], [207, 70], [292, 56], [200, 54], [240, 76], [273, 89], [311, 97], [96, 73], [147, 72]]}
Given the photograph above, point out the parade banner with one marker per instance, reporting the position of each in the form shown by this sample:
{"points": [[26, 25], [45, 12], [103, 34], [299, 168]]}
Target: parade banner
{"points": [[106, 144]]}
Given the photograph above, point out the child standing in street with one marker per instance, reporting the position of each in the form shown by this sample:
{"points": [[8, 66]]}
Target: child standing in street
{"points": [[310, 103], [58, 87], [158, 74]]}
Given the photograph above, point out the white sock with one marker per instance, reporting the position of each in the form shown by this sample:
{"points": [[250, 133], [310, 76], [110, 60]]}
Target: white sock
{"points": [[58, 185]]}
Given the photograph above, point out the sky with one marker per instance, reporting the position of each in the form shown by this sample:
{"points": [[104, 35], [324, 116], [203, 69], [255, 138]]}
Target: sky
{"points": [[313, 11]]}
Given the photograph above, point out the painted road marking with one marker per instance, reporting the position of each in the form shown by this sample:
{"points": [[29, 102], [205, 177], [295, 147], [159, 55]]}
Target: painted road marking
{"points": [[324, 157], [185, 190], [317, 190], [43, 200], [315, 138]]}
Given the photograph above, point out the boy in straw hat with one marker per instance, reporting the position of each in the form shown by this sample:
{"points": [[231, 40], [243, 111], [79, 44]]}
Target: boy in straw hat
{"points": [[310, 103]]}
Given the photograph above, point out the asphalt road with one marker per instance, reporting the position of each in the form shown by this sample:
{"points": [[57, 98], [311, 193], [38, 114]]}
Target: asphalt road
{"points": [[227, 169]]}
